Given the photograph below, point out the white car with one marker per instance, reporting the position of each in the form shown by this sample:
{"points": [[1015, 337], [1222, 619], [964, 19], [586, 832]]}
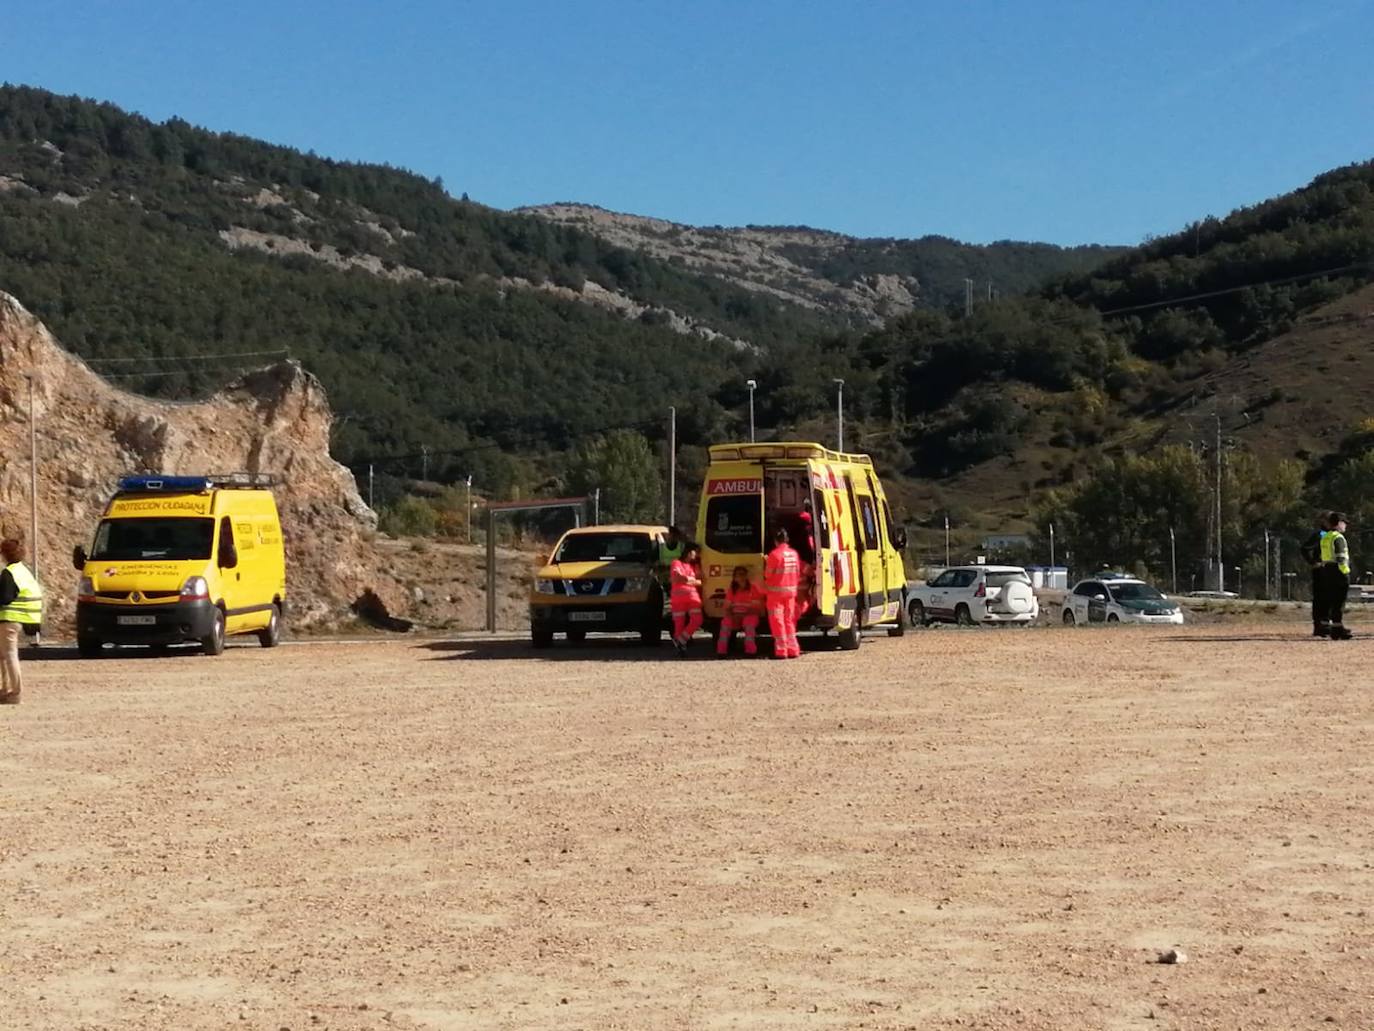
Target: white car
{"points": [[969, 595], [1117, 598]]}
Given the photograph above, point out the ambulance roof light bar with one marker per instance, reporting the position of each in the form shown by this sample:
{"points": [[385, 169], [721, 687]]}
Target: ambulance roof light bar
{"points": [[156, 484]]}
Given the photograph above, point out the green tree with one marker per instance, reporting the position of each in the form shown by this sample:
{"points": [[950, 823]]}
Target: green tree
{"points": [[623, 465]]}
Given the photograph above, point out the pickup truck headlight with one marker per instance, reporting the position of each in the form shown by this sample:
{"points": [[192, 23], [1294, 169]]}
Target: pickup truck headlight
{"points": [[635, 584], [543, 587]]}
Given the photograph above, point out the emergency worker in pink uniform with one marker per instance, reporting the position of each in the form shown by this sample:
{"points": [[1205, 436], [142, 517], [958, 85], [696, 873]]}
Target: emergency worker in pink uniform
{"points": [[684, 599], [781, 578], [743, 606]]}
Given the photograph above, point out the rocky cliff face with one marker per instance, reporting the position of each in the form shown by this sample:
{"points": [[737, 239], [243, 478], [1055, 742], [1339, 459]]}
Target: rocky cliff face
{"points": [[275, 420]]}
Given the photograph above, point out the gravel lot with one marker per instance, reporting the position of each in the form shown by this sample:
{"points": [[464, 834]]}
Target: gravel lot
{"points": [[955, 829]]}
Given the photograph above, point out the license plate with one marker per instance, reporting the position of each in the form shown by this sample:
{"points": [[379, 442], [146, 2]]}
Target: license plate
{"points": [[586, 617], [136, 620]]}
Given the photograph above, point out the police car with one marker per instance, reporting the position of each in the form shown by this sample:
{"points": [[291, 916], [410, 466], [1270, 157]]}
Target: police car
{"points": [[1118, 598]]}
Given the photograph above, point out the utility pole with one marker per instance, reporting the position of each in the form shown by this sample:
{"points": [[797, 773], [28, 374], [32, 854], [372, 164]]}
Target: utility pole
{"points": [[369, 486], [839, 413], [1051, 546], [989, 291], [424, 462], [1221, 566], [946, 538], [672, 466], [752, 384], [469, 505], [1266, 563], [968, 297], [1173, 559], [33, 488], [596, 507]]}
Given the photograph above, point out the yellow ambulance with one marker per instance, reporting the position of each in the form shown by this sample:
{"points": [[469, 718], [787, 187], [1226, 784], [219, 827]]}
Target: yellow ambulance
{"points": [[180, 559], [833, 506]]}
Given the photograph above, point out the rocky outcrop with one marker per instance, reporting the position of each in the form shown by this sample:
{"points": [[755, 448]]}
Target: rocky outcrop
{"points": [[275, 420]]}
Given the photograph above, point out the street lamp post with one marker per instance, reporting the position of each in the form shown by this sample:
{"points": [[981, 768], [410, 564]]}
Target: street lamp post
{"points": [[946, 539], [1051, 548], [839, 412], [1173, 559], [752, 384], [33, 487], [469, 508]]}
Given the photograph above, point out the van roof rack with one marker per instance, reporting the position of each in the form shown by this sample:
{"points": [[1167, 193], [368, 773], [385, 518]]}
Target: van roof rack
{"points": [[153, 483]]}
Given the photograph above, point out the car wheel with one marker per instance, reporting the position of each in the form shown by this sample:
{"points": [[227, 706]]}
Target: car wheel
{"points": [[270, 635], [917, 611], [213, 642], [1112, 617], [1068, 618], [89, 647], [541, 638], [963, 616]]}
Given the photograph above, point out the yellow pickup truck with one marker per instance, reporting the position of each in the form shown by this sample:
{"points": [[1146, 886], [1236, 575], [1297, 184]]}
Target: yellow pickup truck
{"points": [[599, 579]]}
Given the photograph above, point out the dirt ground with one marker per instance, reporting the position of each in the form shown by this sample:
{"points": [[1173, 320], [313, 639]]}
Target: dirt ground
{"points": [[996, 829]]}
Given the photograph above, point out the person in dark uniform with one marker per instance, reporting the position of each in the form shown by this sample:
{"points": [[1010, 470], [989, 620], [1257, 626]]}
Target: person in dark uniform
{"points": [[1310, 549], [1330, 578]]}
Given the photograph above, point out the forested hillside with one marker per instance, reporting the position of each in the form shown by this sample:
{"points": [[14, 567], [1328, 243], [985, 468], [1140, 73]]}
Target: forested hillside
{"points": [[865, 281], [457, 339]]}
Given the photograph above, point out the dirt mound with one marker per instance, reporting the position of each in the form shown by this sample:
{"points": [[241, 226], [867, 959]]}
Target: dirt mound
{"points": [[275, 420]]}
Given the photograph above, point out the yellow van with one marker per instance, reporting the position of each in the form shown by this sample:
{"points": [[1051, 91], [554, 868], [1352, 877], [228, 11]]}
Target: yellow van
{"points": [[180, 559], [599, 579], [850, 544]]}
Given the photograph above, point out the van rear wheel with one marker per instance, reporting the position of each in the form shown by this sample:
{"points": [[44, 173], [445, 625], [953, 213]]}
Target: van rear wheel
{"points": [[270, 635], [213, 642]]}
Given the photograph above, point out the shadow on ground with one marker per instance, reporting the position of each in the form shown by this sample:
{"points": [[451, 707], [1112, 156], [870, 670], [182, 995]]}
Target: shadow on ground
{"points": [[601, 649]]}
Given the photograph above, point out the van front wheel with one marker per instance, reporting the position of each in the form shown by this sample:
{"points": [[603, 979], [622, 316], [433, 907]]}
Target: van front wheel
{"points": [[213, 642], [270, 635]]}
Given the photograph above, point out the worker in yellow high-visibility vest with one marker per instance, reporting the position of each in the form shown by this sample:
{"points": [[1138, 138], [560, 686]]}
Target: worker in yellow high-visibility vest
{"points": [[1331, 579], [21, 610]]}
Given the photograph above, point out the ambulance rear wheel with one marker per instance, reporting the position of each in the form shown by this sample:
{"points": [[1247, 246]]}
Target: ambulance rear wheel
{"points": [[850, 638], [213, 642], [270, 635], [89, 647]]}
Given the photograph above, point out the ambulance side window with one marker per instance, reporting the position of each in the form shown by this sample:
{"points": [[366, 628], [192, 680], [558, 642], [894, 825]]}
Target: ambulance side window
{"points": [[870, 521], [734, 525], [228, 556]]}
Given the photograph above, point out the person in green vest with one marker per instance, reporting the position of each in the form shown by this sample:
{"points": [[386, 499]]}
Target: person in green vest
{"points": [[1334, 575], [670, 549], [21, 611]]}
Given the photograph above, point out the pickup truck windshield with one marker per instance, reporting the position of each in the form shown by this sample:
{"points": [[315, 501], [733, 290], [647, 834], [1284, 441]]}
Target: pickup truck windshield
{"points": [[606, 547], [176, 539]]}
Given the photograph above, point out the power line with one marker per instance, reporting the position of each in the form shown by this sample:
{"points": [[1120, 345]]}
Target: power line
{"points": [[189, 357], [1236, 289]]}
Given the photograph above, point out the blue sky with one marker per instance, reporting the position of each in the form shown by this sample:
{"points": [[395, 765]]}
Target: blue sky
{"points": [[1062, 121]]}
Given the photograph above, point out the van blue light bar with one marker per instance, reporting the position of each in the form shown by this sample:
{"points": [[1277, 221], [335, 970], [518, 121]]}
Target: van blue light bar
{"points": [[166, 484]]}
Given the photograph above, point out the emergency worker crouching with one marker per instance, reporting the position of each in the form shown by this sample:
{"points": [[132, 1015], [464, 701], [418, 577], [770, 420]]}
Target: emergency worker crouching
{"points": [[743, 607], [781, 580], [21, 611]]}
